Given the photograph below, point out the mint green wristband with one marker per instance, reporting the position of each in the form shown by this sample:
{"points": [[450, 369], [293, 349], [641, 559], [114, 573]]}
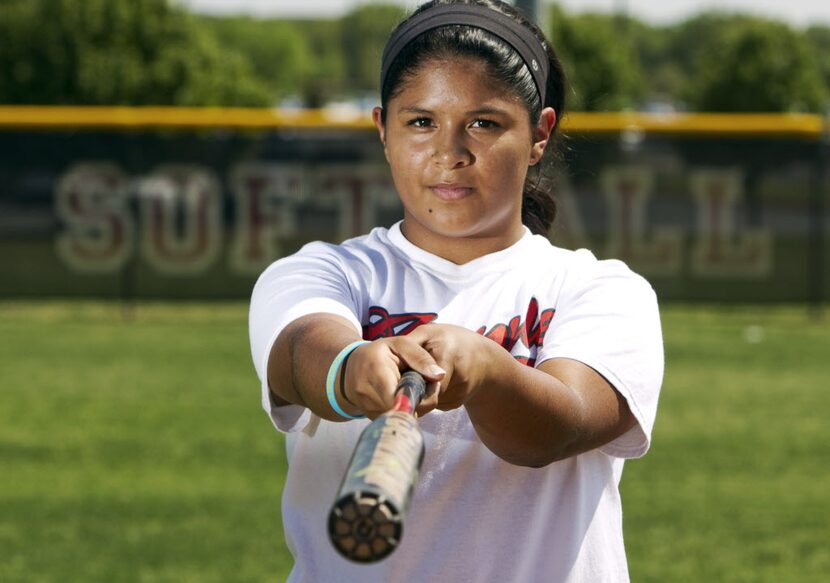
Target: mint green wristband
{"points": [[335, 364]]}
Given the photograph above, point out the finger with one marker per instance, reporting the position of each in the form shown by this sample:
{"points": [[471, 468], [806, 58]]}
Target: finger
{"points": [[423, 410], [430, 400], [371, 383], [415, 357], [432, 390], [382, 386], [449, 405], [436, 341]]}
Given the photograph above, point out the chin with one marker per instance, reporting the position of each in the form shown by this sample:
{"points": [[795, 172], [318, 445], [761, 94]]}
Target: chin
{"points": [[442, 225]]}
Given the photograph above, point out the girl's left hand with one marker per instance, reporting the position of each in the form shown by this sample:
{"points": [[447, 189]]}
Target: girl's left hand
{"points": [[463, 354], [527, 416]]}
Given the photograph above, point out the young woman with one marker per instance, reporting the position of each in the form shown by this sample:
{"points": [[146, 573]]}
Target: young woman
{"points": [[544, 365]]}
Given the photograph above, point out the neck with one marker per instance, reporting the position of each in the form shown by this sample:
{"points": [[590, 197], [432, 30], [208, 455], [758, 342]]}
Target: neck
{"points": [[461, 250]]}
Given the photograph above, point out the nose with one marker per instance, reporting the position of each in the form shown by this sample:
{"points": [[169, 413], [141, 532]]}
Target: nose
{"points": [[451, 150]]}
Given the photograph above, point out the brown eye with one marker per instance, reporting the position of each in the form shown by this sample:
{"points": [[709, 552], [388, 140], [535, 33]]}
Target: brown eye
{"points": [[420, 122], [484, 124]]}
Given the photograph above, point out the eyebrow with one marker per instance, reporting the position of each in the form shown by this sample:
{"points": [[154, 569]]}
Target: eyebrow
{"points": [[481, 111], [414, 110]]}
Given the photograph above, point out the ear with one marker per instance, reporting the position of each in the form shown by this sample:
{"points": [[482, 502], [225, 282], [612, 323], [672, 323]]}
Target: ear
{"points": [[377, 119], [541, 134]]}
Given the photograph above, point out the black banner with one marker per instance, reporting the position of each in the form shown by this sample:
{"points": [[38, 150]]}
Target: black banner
{"points": [[199, 213]]}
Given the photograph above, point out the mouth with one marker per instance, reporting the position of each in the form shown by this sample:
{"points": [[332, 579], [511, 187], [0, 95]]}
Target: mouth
{"points": [[450, 192]]}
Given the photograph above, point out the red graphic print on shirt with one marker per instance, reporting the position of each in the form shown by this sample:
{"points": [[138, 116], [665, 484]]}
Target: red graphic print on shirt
{"points": [[382, 324], [530, 331]]}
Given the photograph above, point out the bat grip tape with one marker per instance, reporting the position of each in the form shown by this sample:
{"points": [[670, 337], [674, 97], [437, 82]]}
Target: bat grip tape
{"points": [[335, 365]]}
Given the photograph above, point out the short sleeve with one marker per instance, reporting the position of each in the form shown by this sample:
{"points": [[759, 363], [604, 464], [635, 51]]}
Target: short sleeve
{"points": [[607, 318], [311, 281]]}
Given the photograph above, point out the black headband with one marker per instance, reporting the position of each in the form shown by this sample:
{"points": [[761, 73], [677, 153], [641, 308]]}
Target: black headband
{"points": [[517, 36]]}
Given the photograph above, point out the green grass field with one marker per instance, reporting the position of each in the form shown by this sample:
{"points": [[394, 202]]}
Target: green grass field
{"points": [[134, 448]]}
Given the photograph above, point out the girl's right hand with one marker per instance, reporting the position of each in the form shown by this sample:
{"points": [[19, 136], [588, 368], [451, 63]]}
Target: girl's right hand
{"points": [[374, 369]]}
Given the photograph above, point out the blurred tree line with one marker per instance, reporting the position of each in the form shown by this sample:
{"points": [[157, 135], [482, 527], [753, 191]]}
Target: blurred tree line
{"points": [[119, 52], [143, 52]]}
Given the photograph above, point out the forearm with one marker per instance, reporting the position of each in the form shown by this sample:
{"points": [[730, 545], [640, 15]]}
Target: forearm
{"points": [[532, 417], [525, 416], [300, 360]]}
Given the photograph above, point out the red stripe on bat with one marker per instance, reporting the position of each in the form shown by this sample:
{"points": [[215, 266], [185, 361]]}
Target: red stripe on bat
{"points": [[402, 403]]}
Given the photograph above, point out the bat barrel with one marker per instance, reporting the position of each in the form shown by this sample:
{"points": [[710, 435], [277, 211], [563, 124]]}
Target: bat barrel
{"points": [[365, 527], [366, 521]]}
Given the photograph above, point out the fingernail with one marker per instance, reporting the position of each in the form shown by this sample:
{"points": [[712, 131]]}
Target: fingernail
{"points": [[435, 370]]}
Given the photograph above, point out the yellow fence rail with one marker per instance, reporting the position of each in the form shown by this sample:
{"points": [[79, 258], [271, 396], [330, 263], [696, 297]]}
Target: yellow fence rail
{"points": [[45, 118]]}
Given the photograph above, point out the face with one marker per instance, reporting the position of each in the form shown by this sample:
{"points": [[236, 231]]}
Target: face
{"points": [[459, 145]]}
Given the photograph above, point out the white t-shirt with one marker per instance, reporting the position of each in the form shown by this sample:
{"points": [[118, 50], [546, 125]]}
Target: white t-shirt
{"points": [[473, 517]]}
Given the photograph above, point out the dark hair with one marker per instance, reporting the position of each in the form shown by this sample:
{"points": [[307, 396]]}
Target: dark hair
{"points": [[503, 63]]}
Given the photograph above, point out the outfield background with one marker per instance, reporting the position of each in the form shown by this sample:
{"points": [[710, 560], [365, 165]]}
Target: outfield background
{"points": [[135, 449]]}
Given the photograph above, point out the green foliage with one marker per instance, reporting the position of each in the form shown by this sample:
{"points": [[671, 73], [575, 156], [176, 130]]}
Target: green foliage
{"points": [[365, 31], [672, 66], [279, 53], [122, 52], [143, 52], [688, 40], [318, 60], [714, 61], [760, 66], [326, 79], [291, 57], [818, 39], [650, 46], [599, 61]]}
